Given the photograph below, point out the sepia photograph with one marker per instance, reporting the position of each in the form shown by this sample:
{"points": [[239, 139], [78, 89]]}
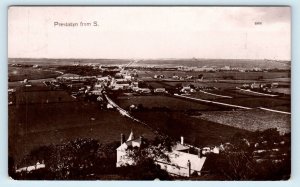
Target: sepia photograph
{"points": [[199, 93]]}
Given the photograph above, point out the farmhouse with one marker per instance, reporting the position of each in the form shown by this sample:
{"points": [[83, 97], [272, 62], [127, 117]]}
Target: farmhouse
{"points": [[182, 162]]}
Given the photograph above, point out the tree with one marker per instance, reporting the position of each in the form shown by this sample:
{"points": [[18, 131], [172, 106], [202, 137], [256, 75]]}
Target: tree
{"points": [[146, 170], [77, 159], [144, 158], [147, 152], [233, 165], [239, 163], [192, 86]]}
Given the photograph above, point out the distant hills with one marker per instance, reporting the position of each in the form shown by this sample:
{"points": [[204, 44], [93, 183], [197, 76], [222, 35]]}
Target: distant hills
{"points": [[193, 62]]}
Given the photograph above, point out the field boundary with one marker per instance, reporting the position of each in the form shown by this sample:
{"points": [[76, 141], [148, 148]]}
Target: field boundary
{"points": [[213, 102], [224, 96], [272, 110]]}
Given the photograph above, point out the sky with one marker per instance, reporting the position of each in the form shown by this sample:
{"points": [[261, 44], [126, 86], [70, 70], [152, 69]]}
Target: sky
{"points": [[150, 32]]}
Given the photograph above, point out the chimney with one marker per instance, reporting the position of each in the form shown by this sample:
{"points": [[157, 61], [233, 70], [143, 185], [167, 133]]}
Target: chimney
{"points": [[122, 139], [181, 140], [199, 153], [189, 168]]}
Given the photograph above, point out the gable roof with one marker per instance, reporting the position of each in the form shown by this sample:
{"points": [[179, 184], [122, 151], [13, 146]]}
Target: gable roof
{"points": [[134, 143], [131, 137]]}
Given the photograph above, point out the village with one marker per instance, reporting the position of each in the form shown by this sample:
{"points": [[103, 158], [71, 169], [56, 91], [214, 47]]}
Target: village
{"points": [[184, 159]]}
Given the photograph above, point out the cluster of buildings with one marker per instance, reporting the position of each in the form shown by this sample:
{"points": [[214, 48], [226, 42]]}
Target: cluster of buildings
{"points": [[176, 77], [261, 86], [219, 69], [118, 68], [123, 81], [184, 160]]}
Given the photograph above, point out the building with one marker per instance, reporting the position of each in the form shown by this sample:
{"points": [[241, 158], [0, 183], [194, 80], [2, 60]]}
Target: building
{"points": [[187, 89], [68, 77], [182, 161], [255, 86], [122, 159], [120, 84], [160, 90]]}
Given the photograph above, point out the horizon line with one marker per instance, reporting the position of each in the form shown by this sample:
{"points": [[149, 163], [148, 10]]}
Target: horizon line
{"points": [[150, 58]]}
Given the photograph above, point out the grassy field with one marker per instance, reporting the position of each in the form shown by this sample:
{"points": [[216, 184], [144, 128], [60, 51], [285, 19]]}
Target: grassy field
{"points": [[257, 102], [39, 123], [251, 120], [223, 85], [42, 116], [229, 92], [201, 95], [286, 91], [176, 122], [243, 63], [172, 84], [171, 103], [196, 131], [41, 95], [19, 74]]}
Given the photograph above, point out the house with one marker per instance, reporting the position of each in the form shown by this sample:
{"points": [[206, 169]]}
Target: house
{"points": [[120, 84], [183, 162], [160, 90], [255, 85], [175, 77], [274, 85], [127, 77], [143, 90], [158, 76], [122, 159], [98, 86], [187, 89]]}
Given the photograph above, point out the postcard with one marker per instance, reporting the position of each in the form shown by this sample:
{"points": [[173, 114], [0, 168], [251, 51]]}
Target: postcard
{"points": [[149, 93]]}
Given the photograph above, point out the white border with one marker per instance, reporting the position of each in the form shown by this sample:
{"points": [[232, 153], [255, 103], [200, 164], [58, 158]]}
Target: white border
{"points": [[295, 177]]}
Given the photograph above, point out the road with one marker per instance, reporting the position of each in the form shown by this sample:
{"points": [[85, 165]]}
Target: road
{"points": [[127, 114]]}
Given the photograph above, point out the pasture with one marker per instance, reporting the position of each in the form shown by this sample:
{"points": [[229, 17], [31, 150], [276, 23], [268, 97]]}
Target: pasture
{"points": [[19, 74], [38, 123], [253, 102], [196, 131], [158, 101], [251, 120], [42, 116]]}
